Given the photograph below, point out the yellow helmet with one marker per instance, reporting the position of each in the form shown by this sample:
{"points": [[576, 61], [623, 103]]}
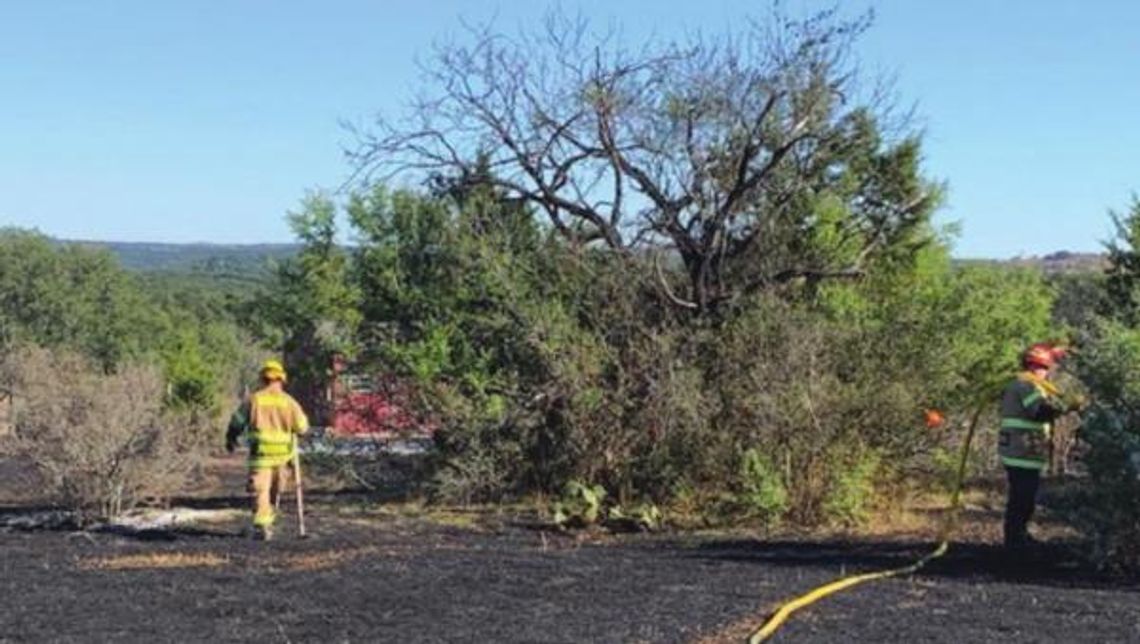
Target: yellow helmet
{"points": [[273, 370]]}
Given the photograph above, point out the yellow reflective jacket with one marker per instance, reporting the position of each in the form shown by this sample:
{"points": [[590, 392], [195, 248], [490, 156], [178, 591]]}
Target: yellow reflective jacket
{"points": [[269, 419], [1028, 406]]}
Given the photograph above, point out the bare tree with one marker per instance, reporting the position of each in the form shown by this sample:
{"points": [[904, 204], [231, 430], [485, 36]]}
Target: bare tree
{"points": [[723, 149]]}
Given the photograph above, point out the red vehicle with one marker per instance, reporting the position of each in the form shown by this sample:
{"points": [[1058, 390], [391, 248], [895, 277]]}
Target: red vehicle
{"points": [[367, 405]]}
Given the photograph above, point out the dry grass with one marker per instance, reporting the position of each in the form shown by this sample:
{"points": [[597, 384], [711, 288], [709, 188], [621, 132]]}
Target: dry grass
{"points": [[303, 562], [468, 520], [738, 631], [313, 561], [476, 518], [155, 561], [923, 514]]}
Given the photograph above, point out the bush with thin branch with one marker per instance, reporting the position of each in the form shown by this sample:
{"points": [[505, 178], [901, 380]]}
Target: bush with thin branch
{"points": [[100, 443]]}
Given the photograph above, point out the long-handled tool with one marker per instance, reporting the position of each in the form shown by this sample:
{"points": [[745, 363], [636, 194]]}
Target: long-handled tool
{"points": [[298, 489]]}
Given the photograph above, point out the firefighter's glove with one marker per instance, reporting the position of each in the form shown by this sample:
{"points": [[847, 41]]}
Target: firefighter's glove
{"points": [[1078, 402]]}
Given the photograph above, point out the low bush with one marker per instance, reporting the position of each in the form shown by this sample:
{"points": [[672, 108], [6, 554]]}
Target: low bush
{"points": [[100, 443], [580, 505], [852, 489], [762, 488]]}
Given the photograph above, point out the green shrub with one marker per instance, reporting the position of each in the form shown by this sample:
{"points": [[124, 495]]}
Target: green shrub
{"points": [[1108, 503], [762, 488], [580, 505], [944, 462], [852, 488], [640, 517], [1109, 508]]}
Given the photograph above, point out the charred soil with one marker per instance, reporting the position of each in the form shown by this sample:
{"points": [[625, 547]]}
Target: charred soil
{"points": [[376, 572]]}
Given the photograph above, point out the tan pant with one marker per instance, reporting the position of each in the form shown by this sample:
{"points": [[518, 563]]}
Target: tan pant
{"points": [[265, 486]]}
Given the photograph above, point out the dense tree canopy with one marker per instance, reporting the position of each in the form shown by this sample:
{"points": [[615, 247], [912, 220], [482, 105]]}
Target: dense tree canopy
{"points": [[67, 296]]}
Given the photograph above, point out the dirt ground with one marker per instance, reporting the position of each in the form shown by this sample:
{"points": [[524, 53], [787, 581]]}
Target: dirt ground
{"points": [[379, 572]]}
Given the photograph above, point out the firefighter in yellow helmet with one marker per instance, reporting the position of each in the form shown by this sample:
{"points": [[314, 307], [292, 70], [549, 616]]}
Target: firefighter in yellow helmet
{"points": [[270, 420]]}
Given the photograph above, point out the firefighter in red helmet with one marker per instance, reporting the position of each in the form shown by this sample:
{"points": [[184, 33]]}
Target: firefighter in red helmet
{"points": [[1029, 405]]}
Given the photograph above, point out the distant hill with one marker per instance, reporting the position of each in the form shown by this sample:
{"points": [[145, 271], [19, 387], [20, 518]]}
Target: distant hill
{"points": [[1059, 262], [1065, 262], [186, 258], [252, 259]]}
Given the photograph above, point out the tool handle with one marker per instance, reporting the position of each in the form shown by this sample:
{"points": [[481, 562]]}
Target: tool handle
{"points": [[299, 489]]}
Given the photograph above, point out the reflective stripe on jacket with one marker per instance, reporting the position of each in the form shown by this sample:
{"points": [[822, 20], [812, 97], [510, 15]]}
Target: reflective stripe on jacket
{"points": [[1027, 408]]}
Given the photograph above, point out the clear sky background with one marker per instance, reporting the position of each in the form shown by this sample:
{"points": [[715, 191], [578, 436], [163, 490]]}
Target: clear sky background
{"points": [[206, 120]]}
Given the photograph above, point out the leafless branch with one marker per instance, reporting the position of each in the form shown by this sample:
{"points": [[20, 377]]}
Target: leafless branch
{"points": [[718, 146]]}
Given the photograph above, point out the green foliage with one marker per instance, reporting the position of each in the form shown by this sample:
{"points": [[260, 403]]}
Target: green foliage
{"points": [[542, 363], [762, 487], [316, 294], [948, 332], [1106, 504], [70, 296], [310, 310], [452, 287], [927, 334], [850, 372], [1108, 507], [1000, 312], [580, 505], [1082, 299], [944, 464], [639, 518], [851, 183], [1123, 275], [199, 340], [852, 489], [552, 353], [78, 298], [192, 380]]}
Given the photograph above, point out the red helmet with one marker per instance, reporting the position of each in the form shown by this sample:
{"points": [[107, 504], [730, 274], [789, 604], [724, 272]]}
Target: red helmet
{"points": [[1042, 355]]}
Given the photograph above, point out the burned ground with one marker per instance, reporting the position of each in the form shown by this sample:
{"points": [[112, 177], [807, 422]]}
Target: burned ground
{"points": [[375, 573], [367, 577]]}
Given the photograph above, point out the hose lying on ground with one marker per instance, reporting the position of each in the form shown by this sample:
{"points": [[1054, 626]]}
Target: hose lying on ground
{"points": [[781, 615]]}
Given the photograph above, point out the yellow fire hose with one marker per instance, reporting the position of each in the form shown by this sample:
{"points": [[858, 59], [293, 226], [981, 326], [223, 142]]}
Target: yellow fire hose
{"points": [[785, 611]]}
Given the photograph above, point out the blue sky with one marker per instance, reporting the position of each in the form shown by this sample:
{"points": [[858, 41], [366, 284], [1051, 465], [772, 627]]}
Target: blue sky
{"points": [[207, 120]]}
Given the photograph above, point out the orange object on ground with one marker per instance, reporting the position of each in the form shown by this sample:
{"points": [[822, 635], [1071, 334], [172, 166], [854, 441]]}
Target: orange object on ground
{"points": [[934, 418]]}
